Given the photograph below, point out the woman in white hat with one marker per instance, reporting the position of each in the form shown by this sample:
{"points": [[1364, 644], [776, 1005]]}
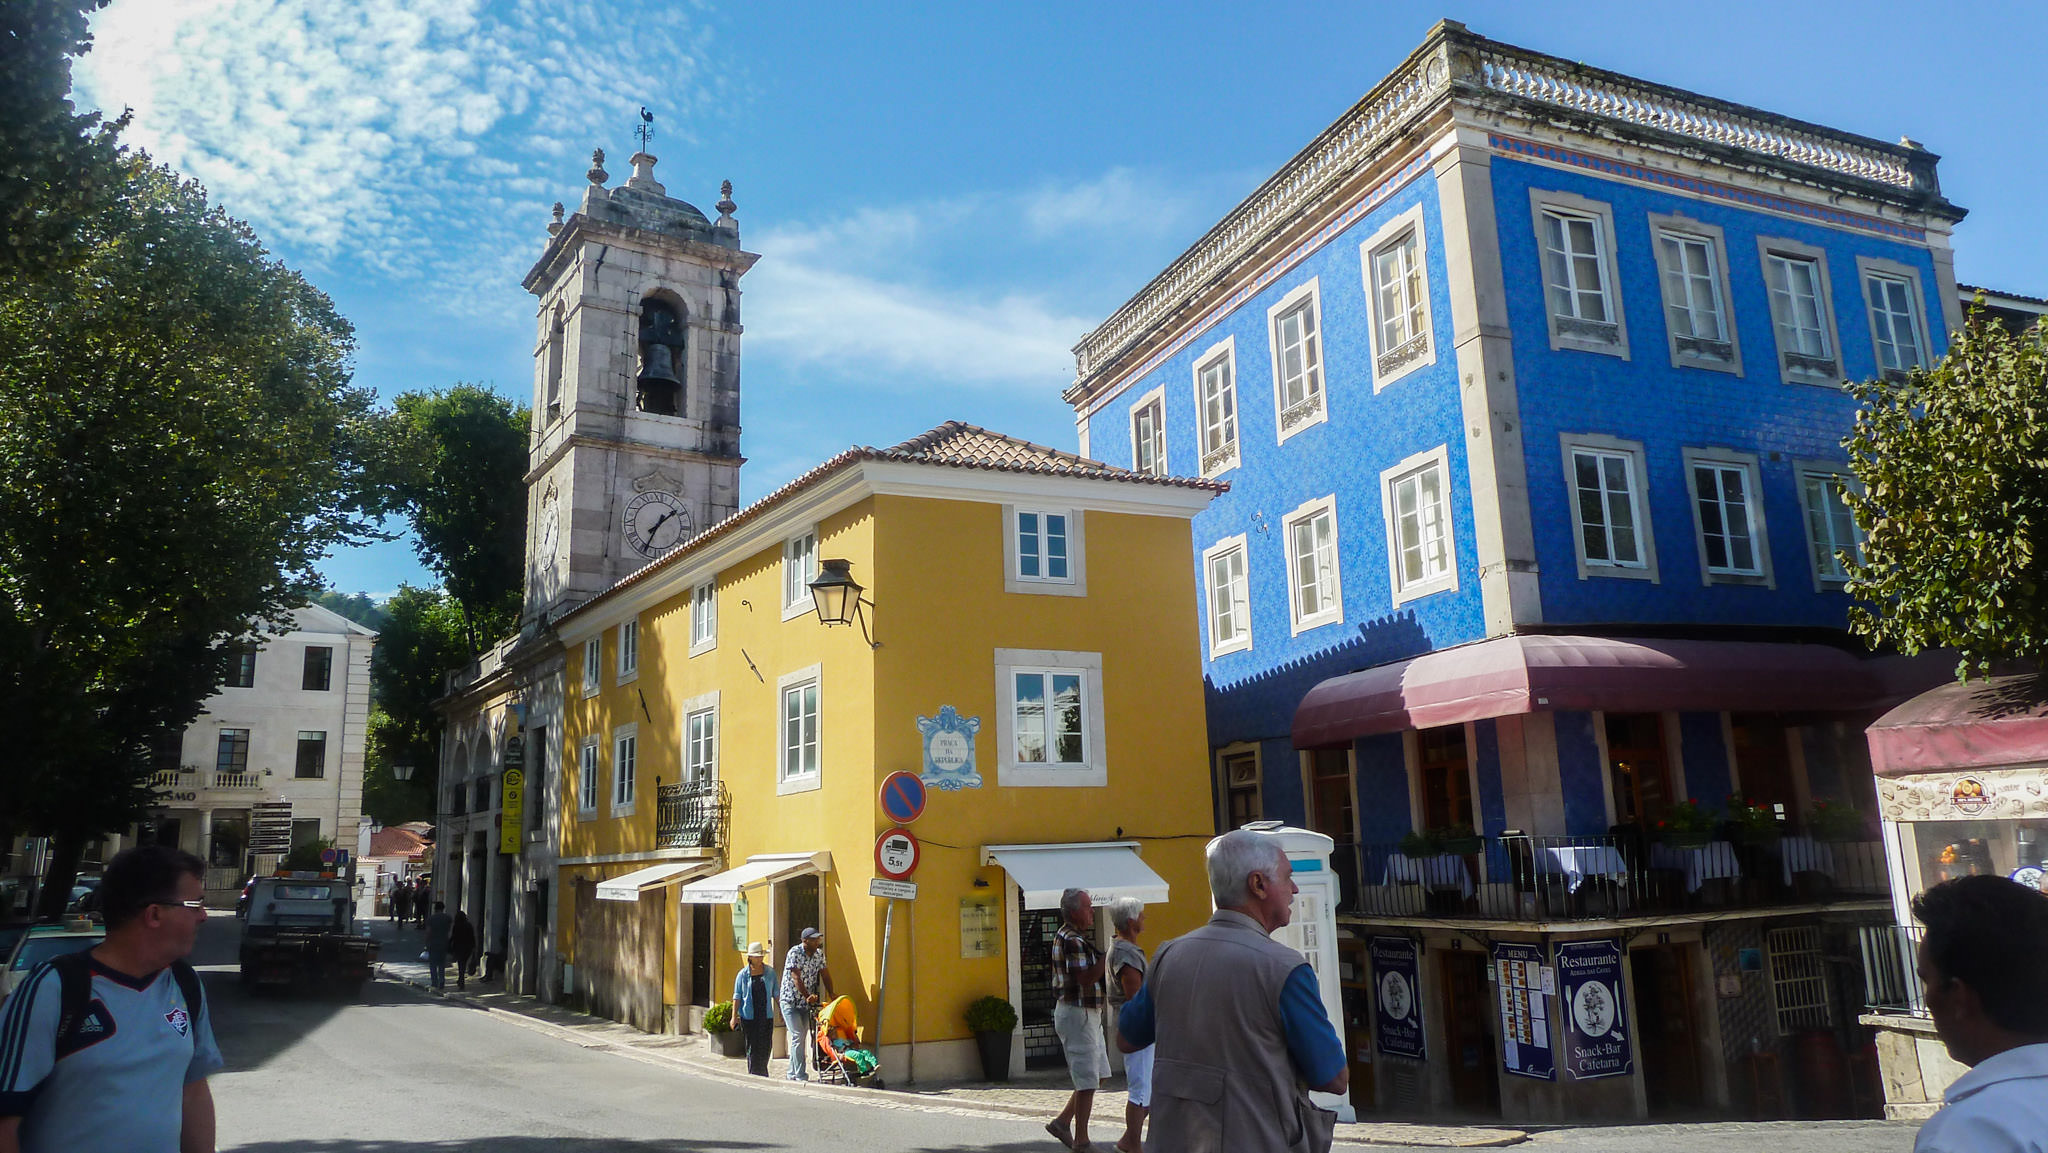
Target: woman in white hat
{"points": [[753, 1006]]}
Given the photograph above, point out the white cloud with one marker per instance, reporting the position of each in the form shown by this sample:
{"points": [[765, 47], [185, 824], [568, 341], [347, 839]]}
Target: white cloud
{"points": [[1120, 200]]}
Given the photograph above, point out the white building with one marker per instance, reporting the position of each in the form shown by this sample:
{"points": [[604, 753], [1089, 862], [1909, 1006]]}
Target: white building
{"points": [[288, 726]]}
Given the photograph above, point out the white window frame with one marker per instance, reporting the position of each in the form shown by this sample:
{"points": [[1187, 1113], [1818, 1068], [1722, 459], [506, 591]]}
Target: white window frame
{"points": [[704, 618], [1333, 613], [1808, 471], [1314, 410], [629, 651], [1768, 247], [1687, 230], [1759, 529], [1645, 568], [703, 707], [589, 777], [787, 782], [625, 769], [1154, 402], [1570, 332], [1387, 367], [1093, 772], [1869, 268], [593, 666], [1240, 600], [799, 553], [1438, 458], [1225, 454], [1075, 583]]}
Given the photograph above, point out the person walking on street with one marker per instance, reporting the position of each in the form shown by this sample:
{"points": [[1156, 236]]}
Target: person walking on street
{"points": [[422, 895], [461, 946], [754, 997], [1984, 960], [109, 1050], [1126, 977], [401, 902], [803, 975], [1077, 969], [439, 928], [1238, 1019]]}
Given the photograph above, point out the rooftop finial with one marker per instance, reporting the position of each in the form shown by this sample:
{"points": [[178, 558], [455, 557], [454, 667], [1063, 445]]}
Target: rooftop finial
{"points": [[597, 174], [555, 225], [644, 131], [725, 205]]}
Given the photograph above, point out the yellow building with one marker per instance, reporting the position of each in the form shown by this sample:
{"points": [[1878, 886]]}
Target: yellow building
{"points": [[1031, 662]]}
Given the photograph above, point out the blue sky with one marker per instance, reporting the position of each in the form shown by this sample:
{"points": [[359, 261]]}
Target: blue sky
{"points": [[945, 196]]}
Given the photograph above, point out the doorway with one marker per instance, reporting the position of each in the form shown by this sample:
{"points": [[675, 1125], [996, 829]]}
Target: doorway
{"points": [[1330, 812], [1035, 928], [798, 903], [1667, 1033], [1467, 1016], [700, 955], [1637, 768]]}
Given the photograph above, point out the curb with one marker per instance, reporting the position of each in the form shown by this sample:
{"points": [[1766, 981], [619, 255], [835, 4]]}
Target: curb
{"points": [[878, 1098]]}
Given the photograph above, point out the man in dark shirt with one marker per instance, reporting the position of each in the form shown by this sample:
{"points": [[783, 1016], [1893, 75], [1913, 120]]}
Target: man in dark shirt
{"points": [[439, 926]]}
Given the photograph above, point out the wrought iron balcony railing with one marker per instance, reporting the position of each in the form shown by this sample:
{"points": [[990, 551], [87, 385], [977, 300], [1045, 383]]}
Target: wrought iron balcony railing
{"points": [[692, 815], [1606, 876]]}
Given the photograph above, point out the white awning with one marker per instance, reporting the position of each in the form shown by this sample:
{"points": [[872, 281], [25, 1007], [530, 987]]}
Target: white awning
{"points": [[1106, 869], [628, 887], [761, 869]]}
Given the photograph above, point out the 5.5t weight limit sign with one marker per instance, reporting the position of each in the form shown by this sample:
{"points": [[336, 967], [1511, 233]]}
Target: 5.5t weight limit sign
{"points": [[896, 853]]}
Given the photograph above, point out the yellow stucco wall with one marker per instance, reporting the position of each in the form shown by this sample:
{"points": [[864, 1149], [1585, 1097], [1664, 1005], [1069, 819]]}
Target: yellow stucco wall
{"points": [[935, 572]]}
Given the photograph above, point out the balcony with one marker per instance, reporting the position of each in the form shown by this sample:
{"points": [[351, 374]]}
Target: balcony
{"points": [[173, 780], [236, 781], [692, 815], [1605, 877]]}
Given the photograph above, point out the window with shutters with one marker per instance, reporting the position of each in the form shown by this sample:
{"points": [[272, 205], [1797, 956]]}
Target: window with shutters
{"points": [[1148, 433], [1575, 252], [1802, 312], [1693, 270], [1216, 406], [1397, 293], [1420, 549], [1230, 598], [1295, 331], [1315, 589]]}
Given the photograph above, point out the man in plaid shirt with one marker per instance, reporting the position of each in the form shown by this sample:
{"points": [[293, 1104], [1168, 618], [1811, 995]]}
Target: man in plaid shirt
{"points": [[1077, 969]]}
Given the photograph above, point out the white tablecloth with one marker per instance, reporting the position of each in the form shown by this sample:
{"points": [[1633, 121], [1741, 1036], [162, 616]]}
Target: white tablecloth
{"points": [[1699, 864], [1443, 871], [1577, 862], [1805, 855]]}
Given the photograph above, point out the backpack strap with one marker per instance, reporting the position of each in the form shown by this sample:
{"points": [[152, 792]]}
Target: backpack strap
{"points": [[74, 999], [188, 984]]}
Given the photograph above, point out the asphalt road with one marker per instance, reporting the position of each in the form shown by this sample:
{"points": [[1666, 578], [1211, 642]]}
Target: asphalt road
{"points": [[400, 1072]]}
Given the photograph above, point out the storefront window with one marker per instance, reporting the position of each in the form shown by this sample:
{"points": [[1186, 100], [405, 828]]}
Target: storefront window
{"points": [[1945, 850]]}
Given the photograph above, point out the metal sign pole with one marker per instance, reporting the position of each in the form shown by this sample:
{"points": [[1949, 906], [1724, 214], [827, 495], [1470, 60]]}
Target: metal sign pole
{"points": [[882, 986]]}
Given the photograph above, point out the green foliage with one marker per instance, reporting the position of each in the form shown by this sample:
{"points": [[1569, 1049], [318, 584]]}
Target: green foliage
{"points": [[1420, 843], [1830, 821], [718, 1018], [55, 165], [422, 638], [1752, 822], [182, 447], [306, 856], [1688, 821], [462, 479], [1953, 464], [357, 607], [991, 1015]]}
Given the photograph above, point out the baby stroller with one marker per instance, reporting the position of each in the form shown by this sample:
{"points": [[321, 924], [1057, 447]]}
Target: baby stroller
{"points": [[840, 1057]]}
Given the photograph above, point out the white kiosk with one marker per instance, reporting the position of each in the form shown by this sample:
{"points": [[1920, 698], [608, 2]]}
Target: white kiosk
{"points": [[1313, 929]]}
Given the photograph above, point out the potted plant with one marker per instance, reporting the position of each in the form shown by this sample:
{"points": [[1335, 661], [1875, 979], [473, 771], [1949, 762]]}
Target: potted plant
{"points": [[1752, 824], [726, 1039], [1419, 844], [1827, 821], [1688, 825], [993, 1021], [1458, 840]]}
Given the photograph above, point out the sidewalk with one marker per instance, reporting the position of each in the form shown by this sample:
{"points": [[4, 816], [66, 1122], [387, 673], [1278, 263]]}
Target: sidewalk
{"points": [[1035, 1095]]}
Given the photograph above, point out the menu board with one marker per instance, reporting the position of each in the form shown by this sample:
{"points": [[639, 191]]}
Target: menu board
{"points": [[1525, 984]]}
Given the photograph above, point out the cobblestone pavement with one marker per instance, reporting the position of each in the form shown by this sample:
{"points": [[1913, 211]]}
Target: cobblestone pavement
{"points": [[1038, 1096]]}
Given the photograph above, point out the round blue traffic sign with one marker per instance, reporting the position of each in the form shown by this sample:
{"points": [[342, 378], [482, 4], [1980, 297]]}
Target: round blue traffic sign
{"points": [[902, 797]]}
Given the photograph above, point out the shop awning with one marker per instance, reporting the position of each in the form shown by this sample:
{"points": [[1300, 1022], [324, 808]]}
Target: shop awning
{"points": [[761, 869], [629, 886], [1997, 722], [1525, 674], [1106, 869]]}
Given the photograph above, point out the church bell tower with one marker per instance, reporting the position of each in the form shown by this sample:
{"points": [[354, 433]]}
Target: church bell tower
{"points": [[636, 394]]}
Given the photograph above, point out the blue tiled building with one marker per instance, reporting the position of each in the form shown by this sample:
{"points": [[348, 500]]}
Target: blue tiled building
{"points": [[1525, 377]]}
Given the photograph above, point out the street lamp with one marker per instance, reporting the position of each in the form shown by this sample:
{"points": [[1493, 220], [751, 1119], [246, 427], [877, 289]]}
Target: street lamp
{"points": [[401, 771], [836, 596]]}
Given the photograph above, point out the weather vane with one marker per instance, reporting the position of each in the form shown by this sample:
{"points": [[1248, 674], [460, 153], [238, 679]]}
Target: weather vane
{"points": [[644, 131]]}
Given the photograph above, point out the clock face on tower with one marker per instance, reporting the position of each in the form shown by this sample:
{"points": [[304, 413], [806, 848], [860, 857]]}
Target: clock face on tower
{"points": [[546, 542], [656, 522]]}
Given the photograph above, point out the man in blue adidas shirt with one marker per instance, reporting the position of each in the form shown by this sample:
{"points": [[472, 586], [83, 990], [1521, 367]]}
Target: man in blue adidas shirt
{"points": [[128, 1074]]}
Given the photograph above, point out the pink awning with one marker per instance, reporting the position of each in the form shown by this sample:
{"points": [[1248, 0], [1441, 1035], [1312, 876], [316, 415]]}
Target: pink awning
{"points": [[1525, 674], [1990, 723]]}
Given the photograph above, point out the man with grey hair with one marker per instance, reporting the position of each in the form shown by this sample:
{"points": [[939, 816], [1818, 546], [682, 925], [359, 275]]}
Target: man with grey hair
{"points": [[1238, 1019], [1077, 990]]}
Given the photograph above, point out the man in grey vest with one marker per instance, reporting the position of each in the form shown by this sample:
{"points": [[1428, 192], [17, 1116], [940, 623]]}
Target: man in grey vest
{"points": [[1238, 1018]]}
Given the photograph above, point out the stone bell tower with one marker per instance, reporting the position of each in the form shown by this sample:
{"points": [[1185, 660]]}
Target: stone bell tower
{"points": [[636, 387]]}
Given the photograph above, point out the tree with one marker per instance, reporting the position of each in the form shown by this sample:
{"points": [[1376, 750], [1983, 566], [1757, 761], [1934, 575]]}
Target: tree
{"points": [[463, 484], [422, 638], [182, 446], [54, 163], [357, 607], [1953, 464]]}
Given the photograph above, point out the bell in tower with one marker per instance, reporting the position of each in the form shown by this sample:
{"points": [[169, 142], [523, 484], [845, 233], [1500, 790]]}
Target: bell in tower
{"points": [[658, 388]]}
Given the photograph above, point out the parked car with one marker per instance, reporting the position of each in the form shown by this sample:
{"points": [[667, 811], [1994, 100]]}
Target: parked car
{"points": [[242, 902], [43, 942]]}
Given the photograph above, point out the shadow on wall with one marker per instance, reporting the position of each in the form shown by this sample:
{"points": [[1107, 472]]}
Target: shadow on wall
{"points": [[1262, 706]]}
